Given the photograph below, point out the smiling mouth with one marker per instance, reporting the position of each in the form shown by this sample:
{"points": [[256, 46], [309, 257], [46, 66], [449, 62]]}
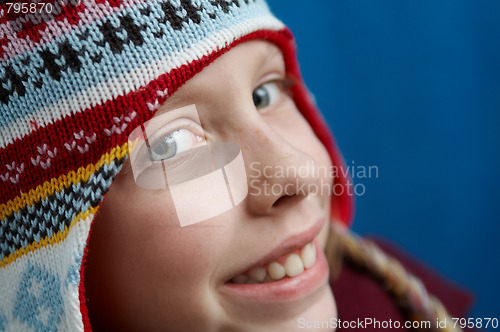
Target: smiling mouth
{"points": [[290, 265]]}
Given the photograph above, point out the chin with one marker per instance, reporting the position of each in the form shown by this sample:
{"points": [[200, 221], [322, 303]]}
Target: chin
{"points": [[322, 313], [317, 317]]}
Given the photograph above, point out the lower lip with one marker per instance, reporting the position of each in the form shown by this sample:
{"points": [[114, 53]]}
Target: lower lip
{"points": [[287, 289]]}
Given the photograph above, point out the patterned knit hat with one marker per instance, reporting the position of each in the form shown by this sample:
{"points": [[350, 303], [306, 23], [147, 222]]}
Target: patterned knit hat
{"points": [[77, 76]]}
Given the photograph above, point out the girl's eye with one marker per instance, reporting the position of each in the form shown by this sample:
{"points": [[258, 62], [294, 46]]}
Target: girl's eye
{"points": [[172, 143], [266, 94]]}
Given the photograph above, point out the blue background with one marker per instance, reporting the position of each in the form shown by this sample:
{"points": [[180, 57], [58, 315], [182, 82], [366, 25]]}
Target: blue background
{"points": [[413, 87]]}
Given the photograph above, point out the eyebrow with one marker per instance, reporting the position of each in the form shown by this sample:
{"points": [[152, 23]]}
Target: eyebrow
{"points": [[168, 104], [274, 50], [270, 52]]}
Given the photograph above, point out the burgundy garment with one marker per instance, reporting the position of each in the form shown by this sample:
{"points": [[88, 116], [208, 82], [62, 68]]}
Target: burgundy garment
{"points": [[360, 296]]}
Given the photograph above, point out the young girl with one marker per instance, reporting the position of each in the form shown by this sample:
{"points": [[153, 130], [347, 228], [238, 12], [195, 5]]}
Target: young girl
{"points": [[85, 245]]}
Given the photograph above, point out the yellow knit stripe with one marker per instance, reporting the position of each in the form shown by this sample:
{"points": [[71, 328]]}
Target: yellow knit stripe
{"points": [[57, 184], [46, 241]]}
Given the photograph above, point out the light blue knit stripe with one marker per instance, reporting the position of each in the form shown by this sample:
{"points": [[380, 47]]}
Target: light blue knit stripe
{"points": [[66, 204], [112, 65]]}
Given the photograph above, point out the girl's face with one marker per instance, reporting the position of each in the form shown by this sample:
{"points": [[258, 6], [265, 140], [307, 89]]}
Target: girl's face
{"points": [[146, 273]]}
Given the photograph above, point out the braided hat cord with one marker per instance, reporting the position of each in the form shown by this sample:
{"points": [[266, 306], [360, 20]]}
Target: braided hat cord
{"points": [[409, 292]]}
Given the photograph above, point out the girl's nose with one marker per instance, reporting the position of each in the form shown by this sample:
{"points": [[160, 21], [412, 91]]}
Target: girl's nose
{"points": [[277, 172]]}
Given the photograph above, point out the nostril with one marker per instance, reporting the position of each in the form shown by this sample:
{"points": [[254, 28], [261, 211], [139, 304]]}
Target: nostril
{"points": [[283, 199]]}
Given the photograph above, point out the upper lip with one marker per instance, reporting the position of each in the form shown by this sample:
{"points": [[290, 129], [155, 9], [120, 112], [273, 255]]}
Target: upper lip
{"points": [[289, 244]]}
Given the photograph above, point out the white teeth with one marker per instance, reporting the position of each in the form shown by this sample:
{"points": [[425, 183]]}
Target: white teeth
{"points": [[294, 265], [276, 271], [268, 279], [257, 274], [308, 255]]}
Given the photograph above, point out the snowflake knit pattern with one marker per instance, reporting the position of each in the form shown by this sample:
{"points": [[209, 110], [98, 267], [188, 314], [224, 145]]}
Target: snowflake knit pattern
{"points": [[75, 82]]}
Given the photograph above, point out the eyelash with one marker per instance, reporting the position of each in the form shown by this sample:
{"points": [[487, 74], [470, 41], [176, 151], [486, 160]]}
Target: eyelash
{"points": [[161, 133], [284, 84], [288, 82]]}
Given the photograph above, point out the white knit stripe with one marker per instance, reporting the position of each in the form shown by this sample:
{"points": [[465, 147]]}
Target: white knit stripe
{"points": [[61, 260], [46, 78], [56, 28], [142, 76]]}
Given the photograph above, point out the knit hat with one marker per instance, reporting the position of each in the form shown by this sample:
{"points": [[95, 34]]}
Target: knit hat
{"points": [[77, 76]]}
